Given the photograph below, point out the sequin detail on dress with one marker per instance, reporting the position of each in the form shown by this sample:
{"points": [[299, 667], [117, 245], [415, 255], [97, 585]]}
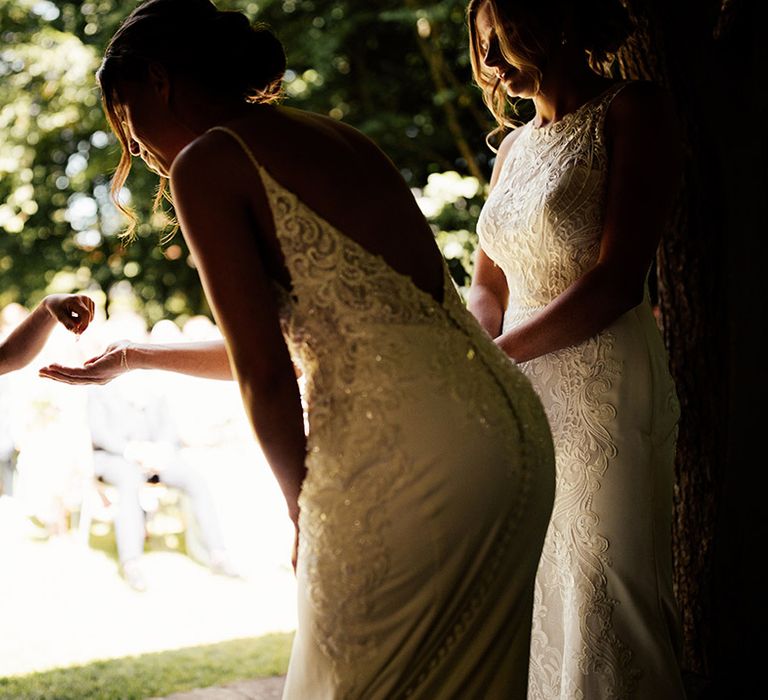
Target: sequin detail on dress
{"points": [[417, 425]]}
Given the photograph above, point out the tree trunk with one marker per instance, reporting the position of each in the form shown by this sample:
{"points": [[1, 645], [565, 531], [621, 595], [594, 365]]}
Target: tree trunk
{"points": [[685, 45]]}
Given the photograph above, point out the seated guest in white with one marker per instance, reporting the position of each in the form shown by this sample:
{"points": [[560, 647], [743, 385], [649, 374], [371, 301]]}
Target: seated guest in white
{"points": [[135, 441]]}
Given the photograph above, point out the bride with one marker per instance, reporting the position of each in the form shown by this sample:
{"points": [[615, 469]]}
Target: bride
{"points": [[579, 198], [422, 491]]}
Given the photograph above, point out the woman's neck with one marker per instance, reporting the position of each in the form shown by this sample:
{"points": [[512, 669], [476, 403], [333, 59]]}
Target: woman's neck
{"points": [[564, 91], [200, 116]]}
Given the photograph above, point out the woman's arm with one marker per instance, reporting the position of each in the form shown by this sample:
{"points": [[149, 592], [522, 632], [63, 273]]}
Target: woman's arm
{"points": [[643, 177], [206, 359], [74, 311], [214, 210], [489, 294]]}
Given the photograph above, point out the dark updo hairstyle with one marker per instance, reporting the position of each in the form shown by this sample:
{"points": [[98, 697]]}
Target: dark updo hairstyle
{"points": [[528, 31], [221, 51]]}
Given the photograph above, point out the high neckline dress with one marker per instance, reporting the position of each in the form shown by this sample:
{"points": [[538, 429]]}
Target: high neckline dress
{"points": [[605, 622]]}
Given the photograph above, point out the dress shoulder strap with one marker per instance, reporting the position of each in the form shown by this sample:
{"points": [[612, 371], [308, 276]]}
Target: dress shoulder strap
{"points": [[614, 90], [603, 103], [243, 144]]}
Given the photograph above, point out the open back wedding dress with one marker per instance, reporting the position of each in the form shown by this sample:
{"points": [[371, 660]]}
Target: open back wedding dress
{"points": [[429, 485]]}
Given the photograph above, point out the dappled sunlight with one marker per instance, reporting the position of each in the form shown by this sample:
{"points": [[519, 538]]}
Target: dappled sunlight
{"points": [[64, 601], [444, 189]]}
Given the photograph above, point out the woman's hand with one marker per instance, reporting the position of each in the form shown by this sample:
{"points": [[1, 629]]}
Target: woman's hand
{"points": [[98, 370], [73, 311]]}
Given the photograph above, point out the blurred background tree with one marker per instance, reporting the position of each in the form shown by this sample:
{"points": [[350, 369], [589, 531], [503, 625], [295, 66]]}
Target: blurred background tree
{"points": [[398, 72]]}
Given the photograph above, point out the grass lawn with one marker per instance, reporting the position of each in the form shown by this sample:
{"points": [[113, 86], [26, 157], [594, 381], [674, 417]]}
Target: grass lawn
{"points": [[138, 677]]}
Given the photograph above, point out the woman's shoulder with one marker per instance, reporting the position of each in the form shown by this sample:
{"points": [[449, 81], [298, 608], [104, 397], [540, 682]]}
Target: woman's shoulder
{"points": [[503, 151], [301, 127], [640, 106], [327, 132], [642, 127], [209, 149], [295, 135], [638, 99], [223, 146], [217, 165], [508, 141]]}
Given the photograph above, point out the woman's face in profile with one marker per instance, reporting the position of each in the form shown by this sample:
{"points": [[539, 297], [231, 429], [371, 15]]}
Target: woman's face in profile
{"points": [[146, 123], [516, 82]]}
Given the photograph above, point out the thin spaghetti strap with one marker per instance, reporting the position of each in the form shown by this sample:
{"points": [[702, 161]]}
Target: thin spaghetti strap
{"points": [[604, 102], [615, 90], [242, 143]]}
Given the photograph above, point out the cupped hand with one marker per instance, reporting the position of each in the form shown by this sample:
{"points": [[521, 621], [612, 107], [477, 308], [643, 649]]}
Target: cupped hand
{"points": [[98, 370], [73, 311]]}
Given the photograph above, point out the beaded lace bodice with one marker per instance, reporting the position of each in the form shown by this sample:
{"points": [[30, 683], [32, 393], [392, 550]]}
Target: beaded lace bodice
{"points": [[344, 299], [371, 344]]}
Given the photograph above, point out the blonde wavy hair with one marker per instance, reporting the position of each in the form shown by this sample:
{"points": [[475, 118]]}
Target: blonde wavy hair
{"points": [[527, 30]]}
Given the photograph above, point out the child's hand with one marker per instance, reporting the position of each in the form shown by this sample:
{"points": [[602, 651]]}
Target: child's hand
{"points": [[73, 311]]}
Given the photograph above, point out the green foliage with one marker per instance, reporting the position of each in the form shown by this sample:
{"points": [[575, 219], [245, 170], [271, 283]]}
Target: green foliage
{"points": [[397, 71], [158, 674]]}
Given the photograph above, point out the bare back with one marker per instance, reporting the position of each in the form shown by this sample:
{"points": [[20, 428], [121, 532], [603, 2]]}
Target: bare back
{"points": [[344, 178]]}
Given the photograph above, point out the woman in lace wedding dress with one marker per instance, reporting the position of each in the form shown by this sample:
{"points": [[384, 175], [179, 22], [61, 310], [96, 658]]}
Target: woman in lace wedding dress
{"points": [[578, 200], [423, 488]]}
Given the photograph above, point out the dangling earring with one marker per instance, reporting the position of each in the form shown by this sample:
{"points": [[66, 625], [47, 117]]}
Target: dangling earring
{"points": [[563, 40]]}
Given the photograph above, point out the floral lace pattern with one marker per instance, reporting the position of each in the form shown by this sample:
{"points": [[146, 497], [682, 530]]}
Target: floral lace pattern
{"points": [[370, 344], [576, 552], [365, 286], [542, 225], [543, 220]]}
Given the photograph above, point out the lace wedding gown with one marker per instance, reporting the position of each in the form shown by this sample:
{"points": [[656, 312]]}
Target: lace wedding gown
{"points": [[604, 615], [429, 486]]}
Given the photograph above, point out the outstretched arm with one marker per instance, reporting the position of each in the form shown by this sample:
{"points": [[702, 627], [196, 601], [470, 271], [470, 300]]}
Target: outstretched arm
{"points": [[74, 311], [207, 359], [214, 210], [644, 172]]}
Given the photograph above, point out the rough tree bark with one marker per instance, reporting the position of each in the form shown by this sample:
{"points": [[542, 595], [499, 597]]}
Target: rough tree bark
{"points": [[687, 45]]}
